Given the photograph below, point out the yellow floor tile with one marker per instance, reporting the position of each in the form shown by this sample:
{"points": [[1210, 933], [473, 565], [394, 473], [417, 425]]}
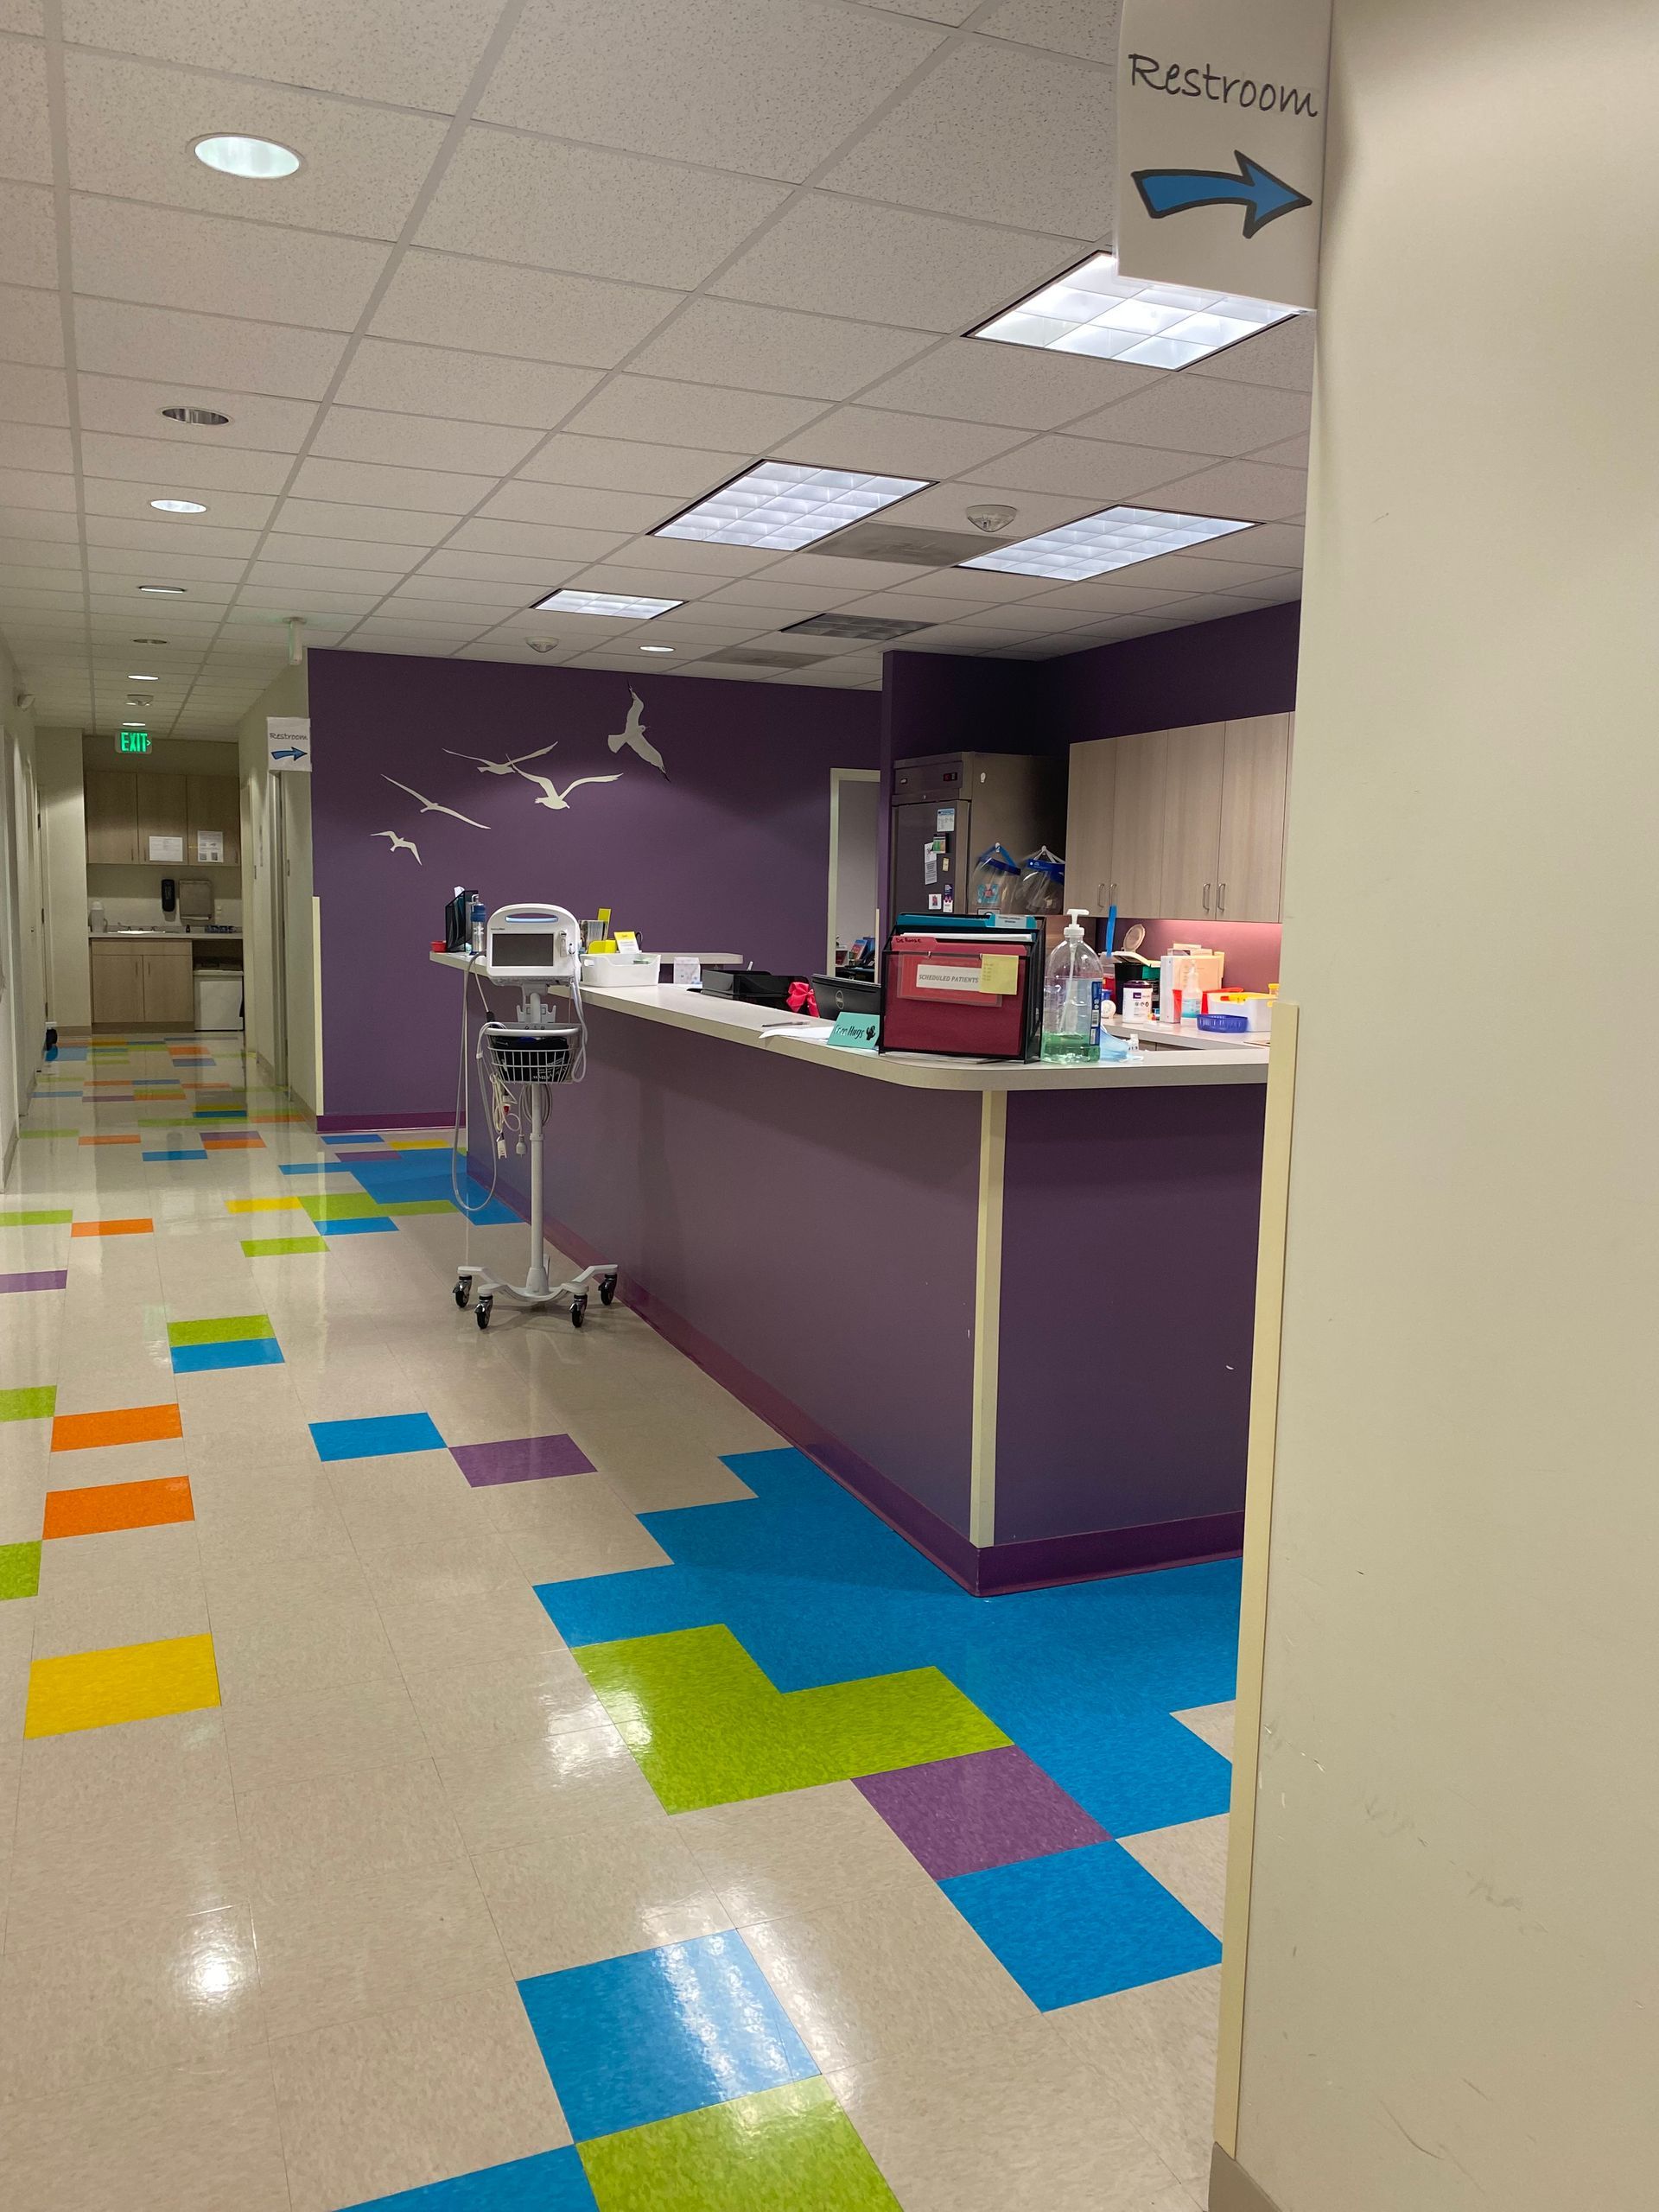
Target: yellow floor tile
{"points": [[134, 1682]]}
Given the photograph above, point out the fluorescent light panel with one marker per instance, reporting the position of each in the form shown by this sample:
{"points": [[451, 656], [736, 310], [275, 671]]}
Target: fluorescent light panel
{"points": [[1094, 310], [604, 603], [1117, 538], [783, 506]]}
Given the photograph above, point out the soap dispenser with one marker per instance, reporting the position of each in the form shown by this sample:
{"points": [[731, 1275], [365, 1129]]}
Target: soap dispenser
{"points": [[1073, 986]]}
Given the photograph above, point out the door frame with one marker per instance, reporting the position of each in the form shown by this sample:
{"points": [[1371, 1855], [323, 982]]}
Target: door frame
{"points": [[839, 778]]}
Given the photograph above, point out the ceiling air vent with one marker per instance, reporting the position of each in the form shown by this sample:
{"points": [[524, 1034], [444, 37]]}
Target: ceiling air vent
{"points": [[758, 657], [914, 548], [870, 626]]}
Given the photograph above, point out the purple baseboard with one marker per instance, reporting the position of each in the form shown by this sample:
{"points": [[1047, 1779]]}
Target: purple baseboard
{"points": [[442, 1118], [991, 1571]]}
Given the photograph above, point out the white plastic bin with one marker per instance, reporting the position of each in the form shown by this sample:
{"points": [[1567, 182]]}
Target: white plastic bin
{"points": [[219, 998]]}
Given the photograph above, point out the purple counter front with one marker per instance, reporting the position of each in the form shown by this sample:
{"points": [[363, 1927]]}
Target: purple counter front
{"points": [[1017, 1325]]}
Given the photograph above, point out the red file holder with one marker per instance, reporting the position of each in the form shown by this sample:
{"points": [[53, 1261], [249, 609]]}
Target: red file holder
{"points": [[937, 998]]}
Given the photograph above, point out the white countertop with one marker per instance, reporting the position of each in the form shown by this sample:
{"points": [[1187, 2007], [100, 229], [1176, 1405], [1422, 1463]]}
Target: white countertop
{"points": [[769, 1029], [167, 937]]}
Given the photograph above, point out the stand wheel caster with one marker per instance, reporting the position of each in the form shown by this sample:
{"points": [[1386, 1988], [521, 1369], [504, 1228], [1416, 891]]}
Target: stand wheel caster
{"points": [[578, 1312], [606, 1289], [483, 1310], [463, 1292]]}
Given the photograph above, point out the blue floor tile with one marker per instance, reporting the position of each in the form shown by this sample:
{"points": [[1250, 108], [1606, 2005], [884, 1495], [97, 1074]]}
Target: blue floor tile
{"points": [[1082, 1923], [553, 2181], [203, 1359], [376, 1436], [367, 1224], [640, 2038], [316, 1168], [172, 1155]]}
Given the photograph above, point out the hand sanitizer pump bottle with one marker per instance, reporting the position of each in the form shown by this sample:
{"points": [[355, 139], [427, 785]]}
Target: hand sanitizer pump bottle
{"points": [[1073, 986]]}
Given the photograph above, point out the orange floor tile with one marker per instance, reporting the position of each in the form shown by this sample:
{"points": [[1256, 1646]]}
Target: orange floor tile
{"points": [[104, 1506], [132, 1140], [131, 1424], [136, 1228]]}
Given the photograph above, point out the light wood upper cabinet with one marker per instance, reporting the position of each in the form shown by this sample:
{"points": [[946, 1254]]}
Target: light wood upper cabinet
{"points": [[111, 815], [161, 810], [1137, 879], [1090, 792], [1194, 764], [214, 803], [1251, 865]]}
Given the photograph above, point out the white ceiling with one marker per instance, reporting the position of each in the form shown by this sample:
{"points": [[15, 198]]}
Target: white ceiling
{"points": [[550, 271]]}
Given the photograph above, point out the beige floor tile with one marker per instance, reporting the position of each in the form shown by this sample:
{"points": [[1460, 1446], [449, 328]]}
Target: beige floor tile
{"points": [[247, 1514], [295, 1627], [179, 2142], [170, 1774], [239, 1411], [1152, 2053], [337, 1828], [406, 1499], [96, 1616], [1002, 2124], [136, 1868], [1190, 1861], [341, 1948], [690, 1479], [466, 1706], [72, 1563], [156, 1993], [363, 1381], [573, 1527], [23, 1502], [352, 1728], [1214, 1723], [798, 1852], [413, 2096], [888, 1971], [507, 1626], [524, 1791], [117, 1463], [570, 1900], [405, 1572]]}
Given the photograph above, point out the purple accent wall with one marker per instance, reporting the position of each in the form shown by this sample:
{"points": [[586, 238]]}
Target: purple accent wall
{"points": [[728, 852], [1128, 1287], [1209, 673]]}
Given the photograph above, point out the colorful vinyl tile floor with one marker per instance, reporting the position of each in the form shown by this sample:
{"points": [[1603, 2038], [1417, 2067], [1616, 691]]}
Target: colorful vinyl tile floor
{"points": [[484, 1774]]}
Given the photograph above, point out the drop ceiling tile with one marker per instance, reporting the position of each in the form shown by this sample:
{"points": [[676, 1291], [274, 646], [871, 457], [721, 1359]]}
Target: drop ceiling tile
{"points": [[32, 598], [443, 301], [29, 395], [460, 614], [362, 166], [580, 505], [838, 255], [1293, 452], [775, 349], [1266, 591], [662, 582], [161, 257], [1081, 28], [849, 576], [292, 576], [117, 339], [464, 591], [692, 555], [31, 327], [34, 487], [1199, 415], [769, 87], [364, 555], [1002, 132], [421, 440], [237, 510], [1239, 488], [29, 239], [584, 209], [26, 144], [975, 381], [403, 648], [390, 630], [916, 603], [154, 535], [37, 523], [29, 445], [896, 445], [1109, 594], [531, 538], [166, 465], [1091, 467], [24, 15], [1033, 618], [987, 585], [275, 599], [1177, 574], [524, 571], [383, 527], [691, 415], [411, 52], [679, 472], [34, 553], [125, 407], [187, 569], [109, 595], [945, 506], [1282, 356], [362, 483]]}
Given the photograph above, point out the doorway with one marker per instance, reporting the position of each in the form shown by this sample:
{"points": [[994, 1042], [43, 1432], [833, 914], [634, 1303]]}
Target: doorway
{"points": [[855, 810]]}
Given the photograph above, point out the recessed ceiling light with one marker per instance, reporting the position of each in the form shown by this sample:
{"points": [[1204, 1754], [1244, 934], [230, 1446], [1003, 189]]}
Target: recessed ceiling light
{"points": [[163, 591], [179, 506], [143, 679], [784, 505], [1115, 538], [656, 649], [199, 417], [604, 603], [261, 159], [1092, 309], [136, 699], [149, 641]]}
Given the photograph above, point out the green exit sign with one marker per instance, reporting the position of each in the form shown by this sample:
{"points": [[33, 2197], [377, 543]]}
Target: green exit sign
{"points": [[134, 741]]}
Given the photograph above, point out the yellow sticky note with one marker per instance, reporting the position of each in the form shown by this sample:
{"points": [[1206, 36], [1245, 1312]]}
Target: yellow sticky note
{"points": [[999, 972]]}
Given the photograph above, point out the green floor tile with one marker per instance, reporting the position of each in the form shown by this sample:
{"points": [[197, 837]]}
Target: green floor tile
{"points": [[708, 1728], [29, 1405], [274, 1248], [342, 1205], [50, 1219], [20, 1570], [414, 1205], [237, 1330], [781, 2151]]}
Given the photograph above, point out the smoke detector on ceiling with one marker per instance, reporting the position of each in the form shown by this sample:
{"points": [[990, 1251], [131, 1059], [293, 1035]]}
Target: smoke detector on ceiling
{"points": [[22, 701], [991, 520], [542, 645]]}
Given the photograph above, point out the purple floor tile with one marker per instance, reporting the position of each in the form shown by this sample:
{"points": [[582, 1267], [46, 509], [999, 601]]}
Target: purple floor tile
{"points": [[526, 1459], [41, 1279], [991, 1809]]}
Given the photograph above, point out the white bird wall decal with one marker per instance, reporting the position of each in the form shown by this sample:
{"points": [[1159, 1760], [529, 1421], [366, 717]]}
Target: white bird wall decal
{"points": [[633, 734], [431, 806], [402, 845], [560, 800], [501, 767]]}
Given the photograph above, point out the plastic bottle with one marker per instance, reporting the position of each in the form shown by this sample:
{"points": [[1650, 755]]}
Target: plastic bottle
{"points": [[475, 924], [1072, 988]]}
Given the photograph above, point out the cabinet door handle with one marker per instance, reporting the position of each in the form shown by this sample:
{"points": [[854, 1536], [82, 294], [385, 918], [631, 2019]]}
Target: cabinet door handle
{"points": [[1206, 898], [1221, 898]]}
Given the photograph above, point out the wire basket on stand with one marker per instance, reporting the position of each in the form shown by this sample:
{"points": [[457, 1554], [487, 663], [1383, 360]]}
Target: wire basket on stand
{"points": [[531, 1056]]}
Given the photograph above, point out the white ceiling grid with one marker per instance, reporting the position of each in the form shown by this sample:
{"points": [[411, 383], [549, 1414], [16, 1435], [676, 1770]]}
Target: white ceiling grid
{"points": [[551, 271]]}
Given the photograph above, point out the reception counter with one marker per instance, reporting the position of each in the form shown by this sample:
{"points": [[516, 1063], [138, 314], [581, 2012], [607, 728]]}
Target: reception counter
{"points": [[1008, 1306]]}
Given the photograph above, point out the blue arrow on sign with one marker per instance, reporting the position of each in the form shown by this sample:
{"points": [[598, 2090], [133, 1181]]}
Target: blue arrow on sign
{"points": [[1263, 196], [288, 753]]}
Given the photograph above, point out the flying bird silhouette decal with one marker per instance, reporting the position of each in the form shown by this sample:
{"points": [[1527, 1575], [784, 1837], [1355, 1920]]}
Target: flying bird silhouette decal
{"points": [[402, 845], [501, 767], [633, 734], [560, 800], [431, 806]]}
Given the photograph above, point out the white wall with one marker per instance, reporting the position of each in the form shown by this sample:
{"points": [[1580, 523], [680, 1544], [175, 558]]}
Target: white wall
{"points": [[262, 891], [1452, 1992], [61, 791], [22, 986]]}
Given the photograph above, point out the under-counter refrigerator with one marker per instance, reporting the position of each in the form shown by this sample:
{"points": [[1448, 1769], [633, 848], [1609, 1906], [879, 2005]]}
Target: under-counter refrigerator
{"points": [[949, 807]]}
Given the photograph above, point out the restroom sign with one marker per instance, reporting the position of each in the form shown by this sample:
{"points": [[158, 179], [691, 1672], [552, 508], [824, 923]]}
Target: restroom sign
{"points": [[1221, 144], [287, 739]]}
